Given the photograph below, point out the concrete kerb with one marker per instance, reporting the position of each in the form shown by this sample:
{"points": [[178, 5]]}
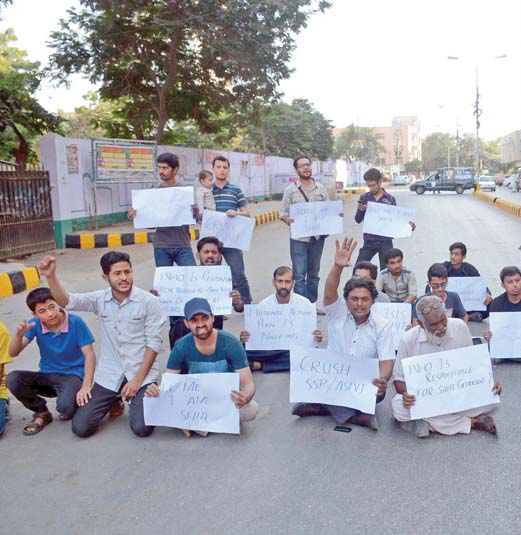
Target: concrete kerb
{"points": [[507, 206], [119, 239], [17, 281]]}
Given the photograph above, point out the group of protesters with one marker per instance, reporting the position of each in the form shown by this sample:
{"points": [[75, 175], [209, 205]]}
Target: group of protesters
{"points": [[131, 320]]}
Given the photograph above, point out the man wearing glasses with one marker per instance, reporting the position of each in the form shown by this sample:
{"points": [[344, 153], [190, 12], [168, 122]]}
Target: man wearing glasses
{"points": [[437, 281], [306, 253]]}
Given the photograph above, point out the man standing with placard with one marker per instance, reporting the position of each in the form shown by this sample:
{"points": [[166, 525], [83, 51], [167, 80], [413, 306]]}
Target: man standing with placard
{"points": [[374, 244], [356, 331], [171, 244], [231, 201], [306, 253], [207, 350], [435, 333]]}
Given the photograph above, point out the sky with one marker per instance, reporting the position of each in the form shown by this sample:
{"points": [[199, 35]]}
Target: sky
{"points": [[365, 62]]}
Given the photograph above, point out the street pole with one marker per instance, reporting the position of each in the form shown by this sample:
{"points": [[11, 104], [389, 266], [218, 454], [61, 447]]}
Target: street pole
{"points": [[448, 154], [457, 147], [477, 113]]}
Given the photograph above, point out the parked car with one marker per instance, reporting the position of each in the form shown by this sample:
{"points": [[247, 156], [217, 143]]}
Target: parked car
{"points": [[400, 180], [456, 179], [500, 180], [487, 183]]}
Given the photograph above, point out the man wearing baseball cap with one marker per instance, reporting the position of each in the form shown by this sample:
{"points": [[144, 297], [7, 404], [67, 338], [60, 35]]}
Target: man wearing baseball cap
{"points": [[208, 350]]}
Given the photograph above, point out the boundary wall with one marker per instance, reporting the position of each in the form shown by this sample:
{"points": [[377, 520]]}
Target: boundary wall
{"points": [[75, 207]]}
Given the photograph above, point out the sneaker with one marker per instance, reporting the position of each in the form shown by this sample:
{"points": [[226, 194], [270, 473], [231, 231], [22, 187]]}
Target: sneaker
{"points": [[309, 409]]}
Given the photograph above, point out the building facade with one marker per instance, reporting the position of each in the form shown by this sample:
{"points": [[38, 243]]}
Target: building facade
{"points": [[401, 140], [510, 149]]}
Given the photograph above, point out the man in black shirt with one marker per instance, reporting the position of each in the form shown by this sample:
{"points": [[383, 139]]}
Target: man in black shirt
{"points": [[456, 267]]}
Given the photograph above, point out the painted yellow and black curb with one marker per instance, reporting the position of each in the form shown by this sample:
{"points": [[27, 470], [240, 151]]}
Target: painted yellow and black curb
{"points": [[15, 282], [507, 206], [119, 239]]}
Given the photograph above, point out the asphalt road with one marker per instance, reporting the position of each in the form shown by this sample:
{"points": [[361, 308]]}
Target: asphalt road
{"points": [[282, 475]]}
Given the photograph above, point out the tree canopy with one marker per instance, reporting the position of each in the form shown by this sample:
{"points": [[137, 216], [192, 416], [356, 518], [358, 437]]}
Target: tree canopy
{"points": [[21, 116], [184, 59], [358, 143]]}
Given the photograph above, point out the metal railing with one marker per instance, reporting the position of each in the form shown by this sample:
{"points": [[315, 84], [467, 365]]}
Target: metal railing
{"points": [[26, 224]]}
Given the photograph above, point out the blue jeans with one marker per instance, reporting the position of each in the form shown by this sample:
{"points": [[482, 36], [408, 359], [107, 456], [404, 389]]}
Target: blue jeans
{"points": [[272, 360], [182, 256], [342, 414], [370, 248], [3, 415], [235, 260], [306, 257]]}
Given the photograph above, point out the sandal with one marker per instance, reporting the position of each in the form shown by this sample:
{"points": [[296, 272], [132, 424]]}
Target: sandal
{"points": [[484, 422], [35, 427], [255, 365], [117, 408]]}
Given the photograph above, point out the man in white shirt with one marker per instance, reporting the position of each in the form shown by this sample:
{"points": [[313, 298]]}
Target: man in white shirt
{"points": [[434, 333], [277, 360], [130, 322], [355, 331]]}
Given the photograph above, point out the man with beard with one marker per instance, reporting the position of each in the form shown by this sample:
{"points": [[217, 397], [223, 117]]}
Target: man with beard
{"points": [[209, 253], [277, 360], [355, 331], [207, 350], [434, 333], [130, 322]]}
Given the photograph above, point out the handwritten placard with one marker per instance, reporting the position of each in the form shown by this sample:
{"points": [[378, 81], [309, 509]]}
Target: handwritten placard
{"points": [[449, 381], [199, 402], [323, 376], [234, 232], [178, 284], [471, 290], [280, 326], [399, 314], [163, 207], [506, 335], [316, 218], [388, 220]]}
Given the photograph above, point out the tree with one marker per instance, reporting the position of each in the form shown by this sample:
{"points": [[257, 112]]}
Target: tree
{"points": [[435, 151], [21, 116], [181, 59], [414, 166], [289, 130], [358, 143]]}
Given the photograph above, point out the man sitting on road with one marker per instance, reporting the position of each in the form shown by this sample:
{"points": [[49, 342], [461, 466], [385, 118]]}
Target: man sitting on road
{"points": [[437, 283], [209, 253], [130, 322], [274, 360], [370, 271], [396, 281], [456, 267], [434, 333], [67, 361], [208, 350], [355, 331], [510, 299]]}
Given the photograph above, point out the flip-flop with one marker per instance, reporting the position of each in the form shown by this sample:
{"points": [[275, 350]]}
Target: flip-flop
{"points": [[35, 427]]}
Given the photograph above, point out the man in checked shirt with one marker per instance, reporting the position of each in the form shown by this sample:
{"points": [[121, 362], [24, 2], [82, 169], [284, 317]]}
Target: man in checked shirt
{"points": [[130, 322], [306, 253]]}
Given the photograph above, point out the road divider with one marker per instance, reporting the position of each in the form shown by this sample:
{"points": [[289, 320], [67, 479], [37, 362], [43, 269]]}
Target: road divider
{"points": [[507, 206], [17, 281], [119, 239]]}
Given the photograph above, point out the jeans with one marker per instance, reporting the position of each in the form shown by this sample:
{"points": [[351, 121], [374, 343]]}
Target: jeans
{"points": [[370, 248], [182, 256], [88, 418], [305, 257], [272, 360], [235, 260], [3, 415], [29, 387]]}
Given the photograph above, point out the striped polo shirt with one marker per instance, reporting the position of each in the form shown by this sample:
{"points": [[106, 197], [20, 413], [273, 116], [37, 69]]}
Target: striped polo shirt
{"points": [[228, 198]]}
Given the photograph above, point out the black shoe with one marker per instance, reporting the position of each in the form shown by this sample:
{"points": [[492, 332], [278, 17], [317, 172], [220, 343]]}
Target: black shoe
{"points": [[309, 409]]}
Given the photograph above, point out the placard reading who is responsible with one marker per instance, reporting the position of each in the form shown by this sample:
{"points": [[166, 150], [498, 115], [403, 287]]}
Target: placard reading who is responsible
{"points": [[388, 220], [178, 284], [449, 381], [316, 218]]}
